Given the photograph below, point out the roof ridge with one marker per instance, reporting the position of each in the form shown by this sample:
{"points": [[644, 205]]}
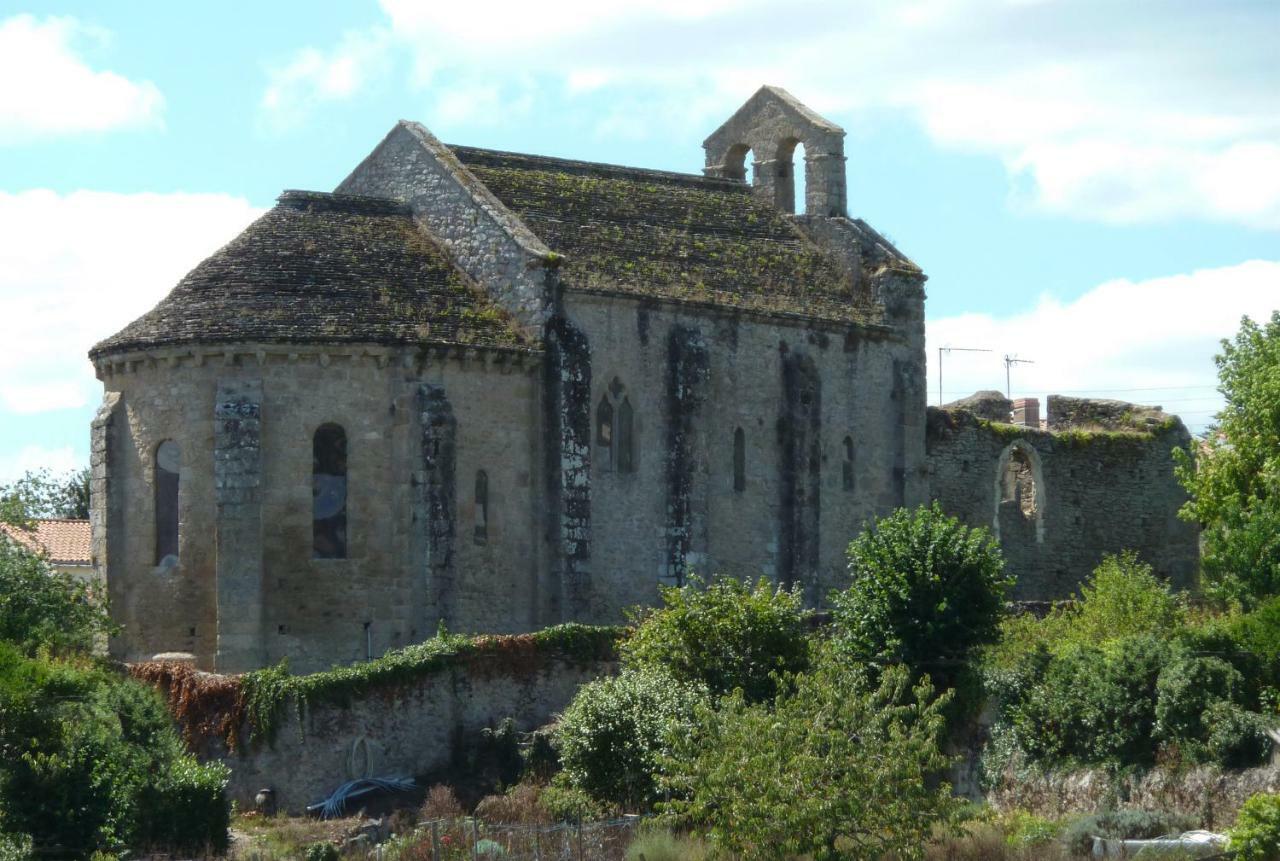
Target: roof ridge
{"points": [[296, 198], [503, 158]]}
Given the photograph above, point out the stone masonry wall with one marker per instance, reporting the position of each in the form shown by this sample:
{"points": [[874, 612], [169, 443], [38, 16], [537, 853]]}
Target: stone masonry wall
{"points": [[1081, 495], [405, 732], [733, 532], [319, 611]]}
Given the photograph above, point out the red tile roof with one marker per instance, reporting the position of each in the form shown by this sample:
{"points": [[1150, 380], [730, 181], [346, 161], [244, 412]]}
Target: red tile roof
{"points": [[67, 542]]}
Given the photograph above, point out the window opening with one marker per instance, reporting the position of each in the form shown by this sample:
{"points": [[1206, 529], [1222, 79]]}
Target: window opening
{"points": [[482, 507], [329, 493], [739, 461], [847, 466], [168, 465]]}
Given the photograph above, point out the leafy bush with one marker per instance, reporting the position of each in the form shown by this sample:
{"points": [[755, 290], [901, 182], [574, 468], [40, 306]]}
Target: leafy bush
{"points": [[1236, 738], [1092, 706], [1027, 829], [836, 768], [15, 847], [1250, 642], [1185, 690], [43, 610], [615, 731], [1123, 598], [656, 844], [926, 590], [1256, 834], [89, 761], [725, 636], [1123, 825]]}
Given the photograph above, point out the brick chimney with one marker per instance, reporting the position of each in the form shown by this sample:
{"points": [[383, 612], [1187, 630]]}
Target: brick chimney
{"points": [[1026, 412]]}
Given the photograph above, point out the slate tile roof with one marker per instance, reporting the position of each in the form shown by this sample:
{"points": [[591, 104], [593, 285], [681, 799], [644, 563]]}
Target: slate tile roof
{"points": [[68, 542], [679, 236], [324, 268]]}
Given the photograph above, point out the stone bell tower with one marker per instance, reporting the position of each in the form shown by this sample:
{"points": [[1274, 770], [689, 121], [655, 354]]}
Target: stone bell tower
{"points": [[769, 126]]}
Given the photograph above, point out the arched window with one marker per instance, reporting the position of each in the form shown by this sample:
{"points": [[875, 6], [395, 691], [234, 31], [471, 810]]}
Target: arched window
{"points": [[847, 466], [1020, 490], [168, 466], [737, 162], [482, 507], [739, 461], [615, 431], [329, 493]]}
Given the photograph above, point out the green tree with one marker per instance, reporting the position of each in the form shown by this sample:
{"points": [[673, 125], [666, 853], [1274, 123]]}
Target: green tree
{"points": [[1256, 834], [836, 767], [1234, 482], [724, 635], [616, 730], [926, 591], [41, 609], [39, 493]]}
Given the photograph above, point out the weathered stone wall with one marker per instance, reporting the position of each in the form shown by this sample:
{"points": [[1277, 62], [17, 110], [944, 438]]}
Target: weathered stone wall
{"points": [[1075, 497], [687, 507], [407, 731], [318, 611]]}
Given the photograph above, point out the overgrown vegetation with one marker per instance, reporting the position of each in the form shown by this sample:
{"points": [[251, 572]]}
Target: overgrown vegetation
{"points": [[89, 760], [1256, 834], [39, 493], [1234, 480], [725, 635]]}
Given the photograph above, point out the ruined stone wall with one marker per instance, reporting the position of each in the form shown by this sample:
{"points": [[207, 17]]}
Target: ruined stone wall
{"points": [[315, 611], [679, 506], [1076, 496], [407, 731]]}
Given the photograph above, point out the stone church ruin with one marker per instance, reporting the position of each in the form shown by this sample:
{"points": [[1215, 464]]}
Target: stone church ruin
{"points": [[495, 391]]}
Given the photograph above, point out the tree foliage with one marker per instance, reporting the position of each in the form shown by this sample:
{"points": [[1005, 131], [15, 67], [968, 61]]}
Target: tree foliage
{"points": [[39, 493], [725, 635], [41, 609], [926, 591], [1256, 834], [1235, 481], [616, 730], [836, 767]]}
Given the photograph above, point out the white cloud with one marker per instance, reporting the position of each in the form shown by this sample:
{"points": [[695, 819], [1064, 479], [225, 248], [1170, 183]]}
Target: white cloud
{"points": [[49, 90], [1119, 113], [75, 268], [312, 77], [1148, 342], [58, 461]]}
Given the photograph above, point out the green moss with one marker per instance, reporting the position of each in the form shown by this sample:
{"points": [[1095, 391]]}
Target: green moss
{"points": [[264, 692]]}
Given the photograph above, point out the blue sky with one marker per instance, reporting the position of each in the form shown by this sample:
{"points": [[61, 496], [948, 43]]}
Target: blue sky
{"points": [[1092, 186]]}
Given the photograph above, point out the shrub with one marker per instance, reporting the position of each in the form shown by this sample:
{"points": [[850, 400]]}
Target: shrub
{"points": [[90, 761], [441, 803], [1256, 834], [1236, 738], [1185, 690], [40, 609], [1123, 598], [1094, 707], [724, 636], [1023, 829], [614, 732], [1123, 825], [836, 765], [15, 847], [926, 590]]}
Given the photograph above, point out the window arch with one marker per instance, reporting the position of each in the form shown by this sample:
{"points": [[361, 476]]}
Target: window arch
{"points": [[329, 492], [168, 467], [615, 430], [482, 508], [739, 460], [1019, 487], [847, 465]]}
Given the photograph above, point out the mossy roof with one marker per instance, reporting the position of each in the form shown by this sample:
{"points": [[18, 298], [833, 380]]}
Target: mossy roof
{"points": [[669, 235], [324, 268]]}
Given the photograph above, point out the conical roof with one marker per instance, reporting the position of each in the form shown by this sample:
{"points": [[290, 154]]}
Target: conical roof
{"points": [[324, 268]]}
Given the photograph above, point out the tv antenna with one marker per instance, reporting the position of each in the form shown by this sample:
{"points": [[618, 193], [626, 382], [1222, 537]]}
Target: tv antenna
{"points": [[1009, 362], [942, 350]]}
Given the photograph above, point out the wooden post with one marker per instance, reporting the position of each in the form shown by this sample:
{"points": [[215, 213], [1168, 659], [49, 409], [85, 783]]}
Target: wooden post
{"points": [[435, 840], [475, 839], [580, 855]]}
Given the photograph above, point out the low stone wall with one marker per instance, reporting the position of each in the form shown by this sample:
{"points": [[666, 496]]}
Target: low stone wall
{"points": [[1209, 794], [407, 732], [401, 716]]}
